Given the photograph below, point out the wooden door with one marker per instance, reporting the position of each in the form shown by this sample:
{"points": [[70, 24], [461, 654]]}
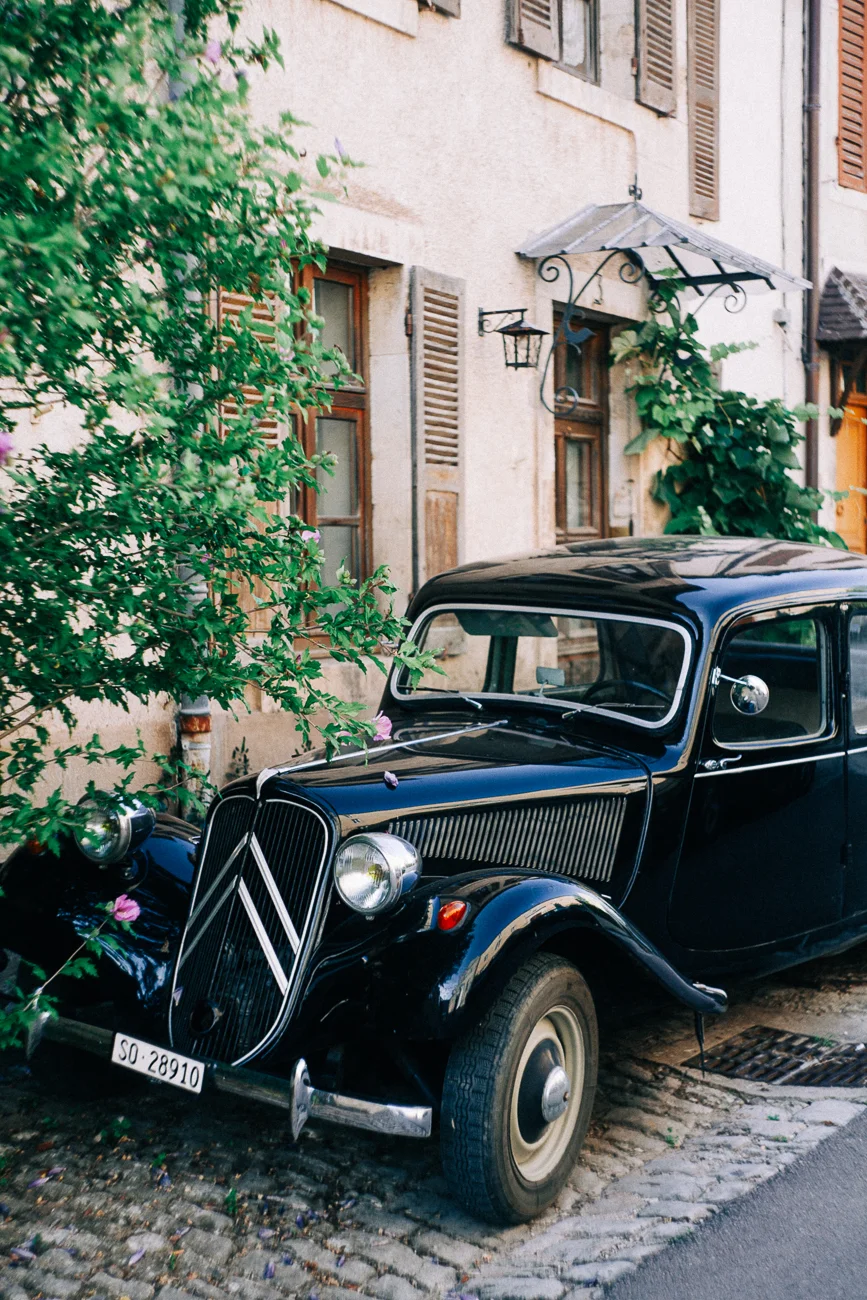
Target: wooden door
{"points": [[581, 437], [851, 474]]}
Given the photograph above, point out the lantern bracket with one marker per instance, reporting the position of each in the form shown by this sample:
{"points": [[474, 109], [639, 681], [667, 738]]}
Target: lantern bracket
{"points": [[522, 341], [485, 328]]}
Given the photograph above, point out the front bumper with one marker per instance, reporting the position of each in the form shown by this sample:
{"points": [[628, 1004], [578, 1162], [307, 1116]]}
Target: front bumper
{"points": [[297, 1096]]}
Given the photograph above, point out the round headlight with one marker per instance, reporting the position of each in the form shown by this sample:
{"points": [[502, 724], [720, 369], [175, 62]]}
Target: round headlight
{"points": [[371, 871], [106, 832]]}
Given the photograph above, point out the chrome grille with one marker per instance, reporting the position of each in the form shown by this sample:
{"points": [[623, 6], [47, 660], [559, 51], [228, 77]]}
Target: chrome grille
{"points": [[251, 926], [577, 838]]}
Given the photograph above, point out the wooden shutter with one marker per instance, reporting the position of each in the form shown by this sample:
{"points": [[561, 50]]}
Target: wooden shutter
{"points": [[450, 7], [657, 55], [229, 307], [437, 303], [852, 154], [703, 77], [535, 25]]}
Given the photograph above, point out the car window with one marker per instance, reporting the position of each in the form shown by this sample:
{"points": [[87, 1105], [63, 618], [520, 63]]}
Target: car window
{"points": [[634, 668], [789, 655], [858, 671]]}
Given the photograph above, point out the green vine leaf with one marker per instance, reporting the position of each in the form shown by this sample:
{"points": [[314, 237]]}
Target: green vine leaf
{"points": [[735, 454], [640, 442]]}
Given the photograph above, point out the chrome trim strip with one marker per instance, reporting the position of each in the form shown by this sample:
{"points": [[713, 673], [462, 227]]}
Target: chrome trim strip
{"points": [[242, 843], [75, 1033], [591, 710], [761, 767], [274, 892], [304, 1101], [264, 942], [191, 945], [319, 899], [268, 772], [197, 880], [375, 1116]]}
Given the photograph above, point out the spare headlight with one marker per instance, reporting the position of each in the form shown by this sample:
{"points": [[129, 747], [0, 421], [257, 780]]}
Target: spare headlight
{"points": [[371, 871], [107, 831]]}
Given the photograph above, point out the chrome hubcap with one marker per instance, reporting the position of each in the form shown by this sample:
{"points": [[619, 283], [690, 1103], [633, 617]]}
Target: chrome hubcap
{"points": [[555, 1094], [546, 1096]]}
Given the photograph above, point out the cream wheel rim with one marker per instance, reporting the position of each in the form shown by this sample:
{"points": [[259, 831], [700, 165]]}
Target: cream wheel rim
{"points": [[555, 1045]]}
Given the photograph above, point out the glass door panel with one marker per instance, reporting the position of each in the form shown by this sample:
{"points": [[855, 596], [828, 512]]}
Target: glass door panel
{"points": [[338, 505]]}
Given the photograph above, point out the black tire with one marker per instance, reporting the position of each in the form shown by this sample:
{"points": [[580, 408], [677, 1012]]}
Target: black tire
{"points": [[489, 1170]]}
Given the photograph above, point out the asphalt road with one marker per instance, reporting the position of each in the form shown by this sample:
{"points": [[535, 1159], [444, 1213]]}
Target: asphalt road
{"points": [[800, 1236]]}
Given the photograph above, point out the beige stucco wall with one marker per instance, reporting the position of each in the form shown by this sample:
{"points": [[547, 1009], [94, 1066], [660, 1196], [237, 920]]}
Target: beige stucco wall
{"points": [[469, 146]]}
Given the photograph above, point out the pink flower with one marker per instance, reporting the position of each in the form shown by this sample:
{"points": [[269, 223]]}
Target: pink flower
{"points": [[125, 908], [6, 446], [310, 535], [383, 727], [213, 52]]}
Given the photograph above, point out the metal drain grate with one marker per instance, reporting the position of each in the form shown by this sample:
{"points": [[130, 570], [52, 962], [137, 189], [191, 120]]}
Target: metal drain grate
{"points": [[775, 1056]]}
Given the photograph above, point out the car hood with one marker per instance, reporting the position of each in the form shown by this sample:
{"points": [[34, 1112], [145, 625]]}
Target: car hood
{"points": [[432, 766]]}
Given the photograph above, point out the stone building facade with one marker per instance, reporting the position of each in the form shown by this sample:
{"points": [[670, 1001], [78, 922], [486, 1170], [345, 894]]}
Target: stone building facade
{"points": [[480, 124]]}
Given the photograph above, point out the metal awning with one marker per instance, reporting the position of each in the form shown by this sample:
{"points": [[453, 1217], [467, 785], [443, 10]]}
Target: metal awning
{"points": [[656, 244], [843, 308]]}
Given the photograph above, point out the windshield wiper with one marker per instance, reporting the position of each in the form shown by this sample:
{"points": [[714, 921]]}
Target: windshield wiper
{"points": [[458, 695], [602, 708]]}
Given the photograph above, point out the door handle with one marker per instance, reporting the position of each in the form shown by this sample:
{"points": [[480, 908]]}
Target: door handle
{"points": [[719, 764]]}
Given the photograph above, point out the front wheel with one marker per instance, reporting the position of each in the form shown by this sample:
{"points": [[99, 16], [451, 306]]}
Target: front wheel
{"points": [[518, 1093]]}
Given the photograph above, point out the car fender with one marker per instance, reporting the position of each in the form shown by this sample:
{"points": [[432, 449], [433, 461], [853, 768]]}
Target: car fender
{"points": [[509, 917], [51, 901]]}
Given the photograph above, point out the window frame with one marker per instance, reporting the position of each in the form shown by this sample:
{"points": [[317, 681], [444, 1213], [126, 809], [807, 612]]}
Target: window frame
{"points": [[594, 711], [854, 611], [589, 71], [823, 615], [349, 402]]}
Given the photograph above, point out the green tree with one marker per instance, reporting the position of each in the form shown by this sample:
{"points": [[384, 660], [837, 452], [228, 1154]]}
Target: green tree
{"points": [[732, 452], [124, 204]]}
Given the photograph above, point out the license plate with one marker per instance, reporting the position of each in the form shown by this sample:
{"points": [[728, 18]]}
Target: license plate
{"points": [[157, 1063]]}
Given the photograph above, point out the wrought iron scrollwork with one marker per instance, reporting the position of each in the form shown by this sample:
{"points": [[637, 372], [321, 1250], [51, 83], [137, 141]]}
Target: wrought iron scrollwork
{"points": [[632, 267], [550, 268], [734, 301]]}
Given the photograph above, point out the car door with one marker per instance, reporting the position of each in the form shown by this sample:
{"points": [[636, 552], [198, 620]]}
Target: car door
{"points": [[855, 710], [762, 857]]}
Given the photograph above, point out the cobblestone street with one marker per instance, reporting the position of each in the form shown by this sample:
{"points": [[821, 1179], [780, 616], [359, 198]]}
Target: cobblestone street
{"points": [[148, 1193]]}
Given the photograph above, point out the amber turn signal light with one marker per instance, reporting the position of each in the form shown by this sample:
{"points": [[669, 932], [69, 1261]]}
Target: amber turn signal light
{"points": [[451, 914]]}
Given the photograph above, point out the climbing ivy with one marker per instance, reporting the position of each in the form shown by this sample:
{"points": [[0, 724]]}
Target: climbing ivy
{"points": [[732, 453]]}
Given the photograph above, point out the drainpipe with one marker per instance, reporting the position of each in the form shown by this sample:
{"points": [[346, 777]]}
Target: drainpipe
{"points": [[811, 230], [194, 734], [194, 715]]}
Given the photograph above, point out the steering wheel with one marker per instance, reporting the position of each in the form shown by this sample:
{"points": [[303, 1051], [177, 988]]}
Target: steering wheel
{"points": [[625, 682]]}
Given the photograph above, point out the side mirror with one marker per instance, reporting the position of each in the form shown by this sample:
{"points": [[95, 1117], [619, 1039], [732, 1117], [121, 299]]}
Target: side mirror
{"points": [[749, 695]]}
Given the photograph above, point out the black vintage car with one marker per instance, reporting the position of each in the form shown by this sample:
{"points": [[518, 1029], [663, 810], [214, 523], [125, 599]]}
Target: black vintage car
{"points": [[640, 756]]}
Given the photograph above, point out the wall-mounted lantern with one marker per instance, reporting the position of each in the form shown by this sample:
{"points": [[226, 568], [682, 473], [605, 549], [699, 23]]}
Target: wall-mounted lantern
{"points": [[522, 342]]}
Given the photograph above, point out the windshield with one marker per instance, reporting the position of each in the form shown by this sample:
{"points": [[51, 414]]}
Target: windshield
{"points": [[629, 667]]}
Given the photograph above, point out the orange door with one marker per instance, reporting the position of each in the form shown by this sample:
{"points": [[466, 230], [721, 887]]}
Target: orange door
{"points": [[852, 473]]}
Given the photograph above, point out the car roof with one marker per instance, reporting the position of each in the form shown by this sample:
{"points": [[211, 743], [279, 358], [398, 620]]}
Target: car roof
{"points": [[700, 577]]}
